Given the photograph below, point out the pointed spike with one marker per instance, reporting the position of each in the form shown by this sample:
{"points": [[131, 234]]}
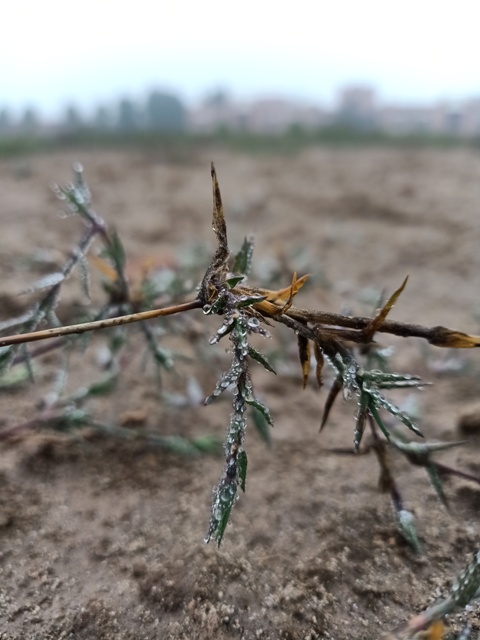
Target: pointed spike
{"points": [[304, 355], [436, 482], [261, 407], [446, 470], [360, 422], [406, 526], [219, 224], [332, 395], [443, 446], [376, 416], [375, 323], [419, 450], [260, 358], [320, 362], [262, 426], [382, 401], [291, 295], [116, 253]]}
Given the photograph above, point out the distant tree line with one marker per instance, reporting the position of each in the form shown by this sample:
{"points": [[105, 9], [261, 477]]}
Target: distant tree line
{"points": [[358, 112], [161, 112]]}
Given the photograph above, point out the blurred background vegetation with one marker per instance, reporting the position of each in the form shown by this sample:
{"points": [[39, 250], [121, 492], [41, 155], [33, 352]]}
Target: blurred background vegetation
{"points": [[262, 125]]}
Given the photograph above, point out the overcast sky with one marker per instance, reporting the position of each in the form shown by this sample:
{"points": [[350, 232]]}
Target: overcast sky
{"points": [[53, 52]]}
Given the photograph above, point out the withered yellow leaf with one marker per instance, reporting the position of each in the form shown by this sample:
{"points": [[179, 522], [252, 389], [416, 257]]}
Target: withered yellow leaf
{"points": [[385, 310], [284, 295], [443, 337], [104, 267], [435, 631]]}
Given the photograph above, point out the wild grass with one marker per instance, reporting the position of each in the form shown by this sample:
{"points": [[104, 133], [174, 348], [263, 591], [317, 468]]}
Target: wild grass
{"points": [[345, 343]]}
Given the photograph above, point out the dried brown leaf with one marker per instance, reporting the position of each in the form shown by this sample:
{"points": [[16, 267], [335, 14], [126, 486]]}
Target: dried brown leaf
{"points": [[443, 337], [219, 224], [332, 395], [293, 291], [304, 355], [320, 362], [379, 318], [287, 294], [217, 271]]}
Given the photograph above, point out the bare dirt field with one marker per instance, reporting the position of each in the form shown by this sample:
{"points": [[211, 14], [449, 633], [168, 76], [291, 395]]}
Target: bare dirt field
{"points": [[104, 540]]}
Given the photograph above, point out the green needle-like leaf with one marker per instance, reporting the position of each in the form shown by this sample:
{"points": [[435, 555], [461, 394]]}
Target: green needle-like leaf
{"points": [[360, 420], [262, 425], [116, 252], [436, 482], [243, 259], [224, 499], [262, 408], [376, 416], [379, 399], [242, 468], [406, 526], [259, 357], [233, 281]]}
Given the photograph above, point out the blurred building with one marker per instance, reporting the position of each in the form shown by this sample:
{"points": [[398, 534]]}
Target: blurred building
{"points": [[263, 116], [277, 115], [409, 119], [357, 107], [469, 125], [209, 118], [460, 119]]}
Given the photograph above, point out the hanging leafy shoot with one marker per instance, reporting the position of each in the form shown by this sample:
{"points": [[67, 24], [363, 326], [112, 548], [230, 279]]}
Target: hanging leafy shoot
{"points": [[221, 297], [237, 377]]}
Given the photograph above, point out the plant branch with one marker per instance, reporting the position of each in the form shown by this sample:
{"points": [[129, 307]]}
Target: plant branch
{"points": [[338, 326], [99, 324]]}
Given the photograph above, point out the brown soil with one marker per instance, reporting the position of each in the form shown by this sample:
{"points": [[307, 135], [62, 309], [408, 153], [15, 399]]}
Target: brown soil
{"points": [[100, 539]]}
